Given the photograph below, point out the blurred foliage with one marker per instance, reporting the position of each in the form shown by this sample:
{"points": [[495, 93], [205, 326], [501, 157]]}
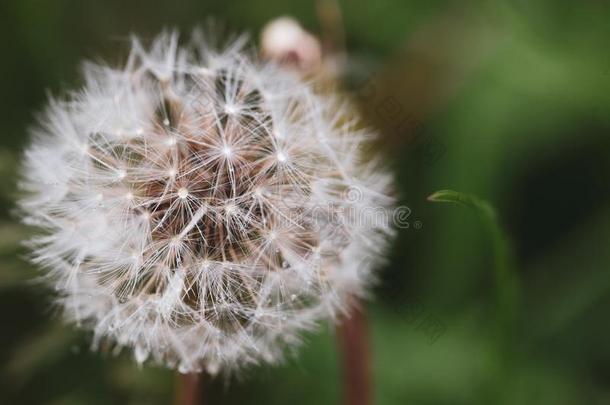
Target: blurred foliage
{"points": [[507, 100]]}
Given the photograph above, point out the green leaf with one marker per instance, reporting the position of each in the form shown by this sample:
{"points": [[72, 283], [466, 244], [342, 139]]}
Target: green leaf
{"points": [[467, 200], [507, 289]]}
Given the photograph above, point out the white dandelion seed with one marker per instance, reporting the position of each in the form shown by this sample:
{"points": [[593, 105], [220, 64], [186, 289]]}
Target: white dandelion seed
{"points": [[177, 222]]}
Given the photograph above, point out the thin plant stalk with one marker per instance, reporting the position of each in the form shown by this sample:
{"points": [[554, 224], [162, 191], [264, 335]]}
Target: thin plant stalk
{"points": [[189, 389], [353, 339]]}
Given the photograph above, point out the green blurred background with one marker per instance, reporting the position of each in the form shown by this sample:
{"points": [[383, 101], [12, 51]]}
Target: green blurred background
{"points": [[506, 100]]}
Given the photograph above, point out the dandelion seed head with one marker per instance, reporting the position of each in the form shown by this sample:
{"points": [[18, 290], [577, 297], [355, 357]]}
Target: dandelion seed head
{"points": [[221, 178]]}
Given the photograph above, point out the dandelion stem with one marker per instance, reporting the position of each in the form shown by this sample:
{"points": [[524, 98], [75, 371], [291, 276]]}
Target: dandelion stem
{"points": [[353, 341], [331, 20], [189, 389]]}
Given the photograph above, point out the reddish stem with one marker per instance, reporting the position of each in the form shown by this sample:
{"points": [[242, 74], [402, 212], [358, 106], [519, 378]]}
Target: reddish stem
{"points": [[189, 389], [353, 339]]}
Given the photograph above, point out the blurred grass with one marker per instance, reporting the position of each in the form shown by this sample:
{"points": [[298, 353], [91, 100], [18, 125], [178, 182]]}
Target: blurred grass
{"points": [[517, 93]]}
